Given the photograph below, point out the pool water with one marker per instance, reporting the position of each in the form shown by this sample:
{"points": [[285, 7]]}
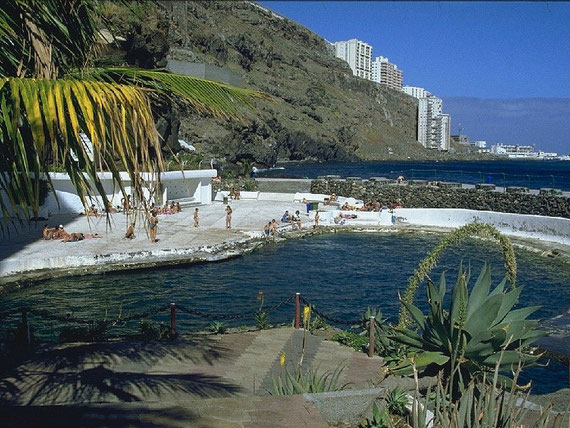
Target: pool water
{"points": [[341, 274]]}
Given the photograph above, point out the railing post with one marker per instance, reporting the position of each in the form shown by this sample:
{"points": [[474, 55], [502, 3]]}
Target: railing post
{"points": [[297, 310], [26, 326], [371, 337], [172, 319]]}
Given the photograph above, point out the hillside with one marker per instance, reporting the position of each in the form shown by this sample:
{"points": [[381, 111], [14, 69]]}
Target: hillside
{"points": [[319, 110]]}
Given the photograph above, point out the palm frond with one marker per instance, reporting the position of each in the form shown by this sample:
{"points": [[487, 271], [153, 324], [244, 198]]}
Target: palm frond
{"points": [[37, 33], [205, 96], [41, 122]]}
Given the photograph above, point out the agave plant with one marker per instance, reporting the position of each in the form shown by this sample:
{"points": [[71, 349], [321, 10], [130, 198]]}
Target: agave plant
{"points": [[480, 331], [307, 381]]}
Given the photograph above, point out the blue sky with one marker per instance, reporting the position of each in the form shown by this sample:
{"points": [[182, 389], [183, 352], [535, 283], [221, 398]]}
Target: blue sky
{"points": [[463, 50]]}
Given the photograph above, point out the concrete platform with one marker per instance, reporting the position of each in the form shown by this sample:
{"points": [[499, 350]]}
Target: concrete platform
{"points": [[192, 381]]}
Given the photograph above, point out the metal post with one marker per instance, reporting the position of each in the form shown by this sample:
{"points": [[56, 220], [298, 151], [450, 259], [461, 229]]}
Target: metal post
{"points": [[297, 310], [26, 326], [173, 319], [371, 337]]}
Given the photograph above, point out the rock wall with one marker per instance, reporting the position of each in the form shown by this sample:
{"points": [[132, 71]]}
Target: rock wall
{"points": [[423, 196]]}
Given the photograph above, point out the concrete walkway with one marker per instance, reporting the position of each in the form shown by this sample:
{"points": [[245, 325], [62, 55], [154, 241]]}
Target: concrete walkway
{"points": [[25, 253], [207, 381]]}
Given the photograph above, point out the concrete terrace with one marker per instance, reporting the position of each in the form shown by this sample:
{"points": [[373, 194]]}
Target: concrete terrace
{"points": [[24, 255], [178, 239], [206, 381]]}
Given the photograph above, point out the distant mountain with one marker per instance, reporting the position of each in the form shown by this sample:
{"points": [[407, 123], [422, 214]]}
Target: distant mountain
{"points": [[320, 110], [539, 121]]}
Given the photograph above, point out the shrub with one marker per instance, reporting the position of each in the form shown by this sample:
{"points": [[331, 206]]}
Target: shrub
{"points": [[92, 332], [354, 340], [318, 323], [217, 327], [261, 320], [153, 331], [249, 185]]}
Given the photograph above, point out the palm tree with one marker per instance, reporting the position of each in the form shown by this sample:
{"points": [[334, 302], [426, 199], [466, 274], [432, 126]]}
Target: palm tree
{"points": [[49, 96]]}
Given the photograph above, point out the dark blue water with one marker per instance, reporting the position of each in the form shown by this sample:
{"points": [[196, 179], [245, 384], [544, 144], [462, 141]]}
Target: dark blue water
{"points": [[526, 173], [341, 274]]}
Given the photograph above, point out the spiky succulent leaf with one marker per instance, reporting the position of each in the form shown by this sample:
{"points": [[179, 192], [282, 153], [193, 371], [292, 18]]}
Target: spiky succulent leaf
{"points": [[480, 290]]}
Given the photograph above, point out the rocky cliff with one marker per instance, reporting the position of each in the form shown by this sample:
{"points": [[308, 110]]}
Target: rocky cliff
{"points": [[319, 110]]}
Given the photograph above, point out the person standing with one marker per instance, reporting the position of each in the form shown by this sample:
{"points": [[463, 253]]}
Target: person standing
{"points": [[153, 226], [316, 220], [266, 231], [228, 217], [196, 218]]}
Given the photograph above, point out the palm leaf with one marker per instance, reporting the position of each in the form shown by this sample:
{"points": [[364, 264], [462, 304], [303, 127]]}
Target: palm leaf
{"points": [[205, 96], [37, 129]]}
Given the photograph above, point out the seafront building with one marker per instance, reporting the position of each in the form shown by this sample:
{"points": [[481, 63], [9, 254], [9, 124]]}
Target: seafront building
{"points": [[386, 73], [416, 91], [357, 54], [516, 151], [434, 127]]}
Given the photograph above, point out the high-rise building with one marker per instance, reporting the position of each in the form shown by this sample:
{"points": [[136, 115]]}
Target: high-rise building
{"points": [[386, 73], [433, 125], [358, 55], [415, 91]]}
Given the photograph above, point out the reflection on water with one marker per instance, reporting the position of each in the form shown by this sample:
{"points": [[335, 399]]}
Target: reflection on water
{"points": [[341, 274]]}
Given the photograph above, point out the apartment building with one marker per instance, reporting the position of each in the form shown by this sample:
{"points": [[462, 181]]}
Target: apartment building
{"points": [[416, 91], [434, 127], [386, 73], [357, 54]]}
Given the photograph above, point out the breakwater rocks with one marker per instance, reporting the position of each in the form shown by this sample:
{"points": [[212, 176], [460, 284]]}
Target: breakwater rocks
{"points": [[419, 194]]}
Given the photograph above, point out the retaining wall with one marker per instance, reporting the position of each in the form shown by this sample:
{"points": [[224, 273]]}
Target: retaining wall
{"points": [[412, 196]]}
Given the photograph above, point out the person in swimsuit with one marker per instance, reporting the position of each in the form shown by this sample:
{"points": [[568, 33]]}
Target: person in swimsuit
{"points": [[229, 217], [274, 227], [196, 218], [266, 230], [153, 226], [316, 220], [48, 232], [130, 232]]}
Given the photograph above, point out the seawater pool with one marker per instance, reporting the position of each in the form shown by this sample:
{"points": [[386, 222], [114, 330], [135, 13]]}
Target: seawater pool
{"points": [[341, 274]]}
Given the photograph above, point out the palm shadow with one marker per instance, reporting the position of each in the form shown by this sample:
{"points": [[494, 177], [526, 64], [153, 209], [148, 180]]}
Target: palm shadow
{"points": [[95, 416], [115, 372]]}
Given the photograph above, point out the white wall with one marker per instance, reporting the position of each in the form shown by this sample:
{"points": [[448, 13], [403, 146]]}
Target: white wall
{"points": [[555, 229], [176, 185]]}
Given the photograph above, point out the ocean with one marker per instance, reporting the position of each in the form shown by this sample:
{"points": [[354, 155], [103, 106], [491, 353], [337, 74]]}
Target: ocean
{"points": [[526, 173]]}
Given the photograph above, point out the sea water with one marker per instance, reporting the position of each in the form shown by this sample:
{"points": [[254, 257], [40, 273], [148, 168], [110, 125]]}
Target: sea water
{"points": [[341, 274]]}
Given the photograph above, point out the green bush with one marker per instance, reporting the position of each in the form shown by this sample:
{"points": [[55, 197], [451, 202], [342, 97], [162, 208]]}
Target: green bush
{"points": [[261, 320], [153, 331], [217, 327], [318, 323], [354, 340], [383, 345], [480, 331], [92, 332], [249, 185]]}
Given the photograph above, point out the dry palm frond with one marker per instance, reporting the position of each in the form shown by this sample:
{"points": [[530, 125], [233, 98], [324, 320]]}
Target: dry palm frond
{"points": [[41, 122]]}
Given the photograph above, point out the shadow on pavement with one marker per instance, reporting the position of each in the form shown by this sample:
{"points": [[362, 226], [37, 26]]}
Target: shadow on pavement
{"points": [[95, 416], [113, 372]]}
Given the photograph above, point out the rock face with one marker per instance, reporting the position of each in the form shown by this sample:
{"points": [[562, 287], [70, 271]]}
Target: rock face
{"points": [[319, 110], [423, 196]]}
